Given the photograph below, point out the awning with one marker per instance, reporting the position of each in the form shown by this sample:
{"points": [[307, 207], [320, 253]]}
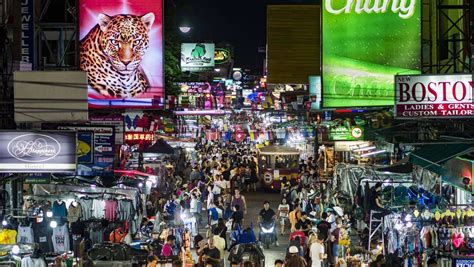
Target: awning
{"points": [[401, 167], [432, 157]]}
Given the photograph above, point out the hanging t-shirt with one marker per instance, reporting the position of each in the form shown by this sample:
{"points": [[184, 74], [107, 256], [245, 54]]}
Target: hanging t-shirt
{"points": [[60, 239], [43, 236], [98, 208], [59, 211], [86, 208], [25, 235], [74, 212], [111, 210]]}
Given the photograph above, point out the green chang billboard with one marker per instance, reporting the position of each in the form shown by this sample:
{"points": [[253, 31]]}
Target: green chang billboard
{"points": [[366, 43]]}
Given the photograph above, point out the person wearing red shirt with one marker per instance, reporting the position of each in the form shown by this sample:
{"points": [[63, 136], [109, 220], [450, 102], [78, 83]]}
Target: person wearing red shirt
{"points": [[298, 233]]}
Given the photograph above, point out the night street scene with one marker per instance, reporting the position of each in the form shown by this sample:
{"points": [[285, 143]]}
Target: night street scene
{"points": [[251, 133]]}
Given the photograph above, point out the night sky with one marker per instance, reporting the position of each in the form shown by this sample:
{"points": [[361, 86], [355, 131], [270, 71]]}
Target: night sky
{"points": [[240, 23]]}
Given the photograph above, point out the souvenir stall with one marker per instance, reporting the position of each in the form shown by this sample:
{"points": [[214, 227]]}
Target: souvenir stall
{"points": [[63, 218]]}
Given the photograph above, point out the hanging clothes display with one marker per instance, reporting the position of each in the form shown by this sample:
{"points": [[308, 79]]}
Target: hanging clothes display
{"points": [[60, 239]]}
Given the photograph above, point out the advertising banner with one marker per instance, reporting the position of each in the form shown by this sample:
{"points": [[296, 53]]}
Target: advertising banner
{"points": [[315, 92], [197, 56], [366, 43], [85, 147], [103, 148], [122, 52], [343, 133], [114, 120], [221, 56], [434, 96], [29, 152]]}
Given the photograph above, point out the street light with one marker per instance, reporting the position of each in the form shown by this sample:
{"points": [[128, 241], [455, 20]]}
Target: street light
{"points": [[185, 29]]}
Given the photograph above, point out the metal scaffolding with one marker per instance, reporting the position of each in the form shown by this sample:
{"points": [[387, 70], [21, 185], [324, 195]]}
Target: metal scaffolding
{"points": [[446, 36], [57, 36]]}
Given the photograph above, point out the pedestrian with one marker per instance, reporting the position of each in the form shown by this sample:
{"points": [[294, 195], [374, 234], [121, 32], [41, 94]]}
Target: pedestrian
{"points": [[293, 258], [238, 199], [221, 230], [324, 226], [219, 243], [294, 217], [283, 212], [210, 254], [316, 251], [335, 235], [167, 250], [279, 263], [237, 217]]}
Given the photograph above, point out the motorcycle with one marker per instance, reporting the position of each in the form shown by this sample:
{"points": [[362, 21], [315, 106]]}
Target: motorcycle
{"points": [[243, 254], [267, 233]]}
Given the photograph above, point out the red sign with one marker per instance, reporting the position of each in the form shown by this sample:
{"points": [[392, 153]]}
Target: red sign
{"points": [[139, 136], [433, 96]]}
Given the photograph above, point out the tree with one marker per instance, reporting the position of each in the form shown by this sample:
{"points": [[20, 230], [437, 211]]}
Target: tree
{"points": [[172, 49]]}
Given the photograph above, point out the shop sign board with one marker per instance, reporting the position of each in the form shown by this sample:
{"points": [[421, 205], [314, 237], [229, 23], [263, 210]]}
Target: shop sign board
{"points": [[221, 56], [343, 133], [139, 136], [27, 152], [27, 32], [37, 178], [103, 144], [122, 41], [114, 120], [346, 146], [434, 96], [463, 261], [362, 50], [197, 56]]}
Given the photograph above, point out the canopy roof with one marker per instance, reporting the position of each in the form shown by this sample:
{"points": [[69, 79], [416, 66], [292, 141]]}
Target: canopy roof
{"points": [[278, 150], [159, 147], [431, 157]]}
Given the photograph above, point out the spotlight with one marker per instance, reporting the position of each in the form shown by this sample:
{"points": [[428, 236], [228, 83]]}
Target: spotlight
{"points": [[16, 250], [53, 224]]}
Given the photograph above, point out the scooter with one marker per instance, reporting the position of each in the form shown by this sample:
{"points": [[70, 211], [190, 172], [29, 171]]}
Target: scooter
{"points": [[242, 254], [267, 233]]}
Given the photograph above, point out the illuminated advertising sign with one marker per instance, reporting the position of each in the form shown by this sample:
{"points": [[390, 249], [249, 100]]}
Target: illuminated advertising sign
{"points": [[315, 92], [343, 133], [122, 52], [366, 43], [221, 56], [197, 56], [434, 96], [139, 136], [30, 152]]}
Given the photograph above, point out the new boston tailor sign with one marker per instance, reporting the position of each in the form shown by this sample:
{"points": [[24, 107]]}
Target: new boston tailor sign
{"points": [[27, 152], [366, 43], [434, 96]]}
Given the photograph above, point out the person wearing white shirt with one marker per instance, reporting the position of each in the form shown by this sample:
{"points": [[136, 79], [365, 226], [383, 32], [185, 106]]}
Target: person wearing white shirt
{"points": [[316, 252]]}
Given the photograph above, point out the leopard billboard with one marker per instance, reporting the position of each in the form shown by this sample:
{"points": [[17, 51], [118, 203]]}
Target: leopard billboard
{"points": [[122, 52]]}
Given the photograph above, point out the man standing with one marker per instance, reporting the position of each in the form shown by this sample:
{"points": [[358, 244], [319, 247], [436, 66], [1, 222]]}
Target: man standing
{"points": [[316, 252], [210, 254], [324, 226], [219, 243]]}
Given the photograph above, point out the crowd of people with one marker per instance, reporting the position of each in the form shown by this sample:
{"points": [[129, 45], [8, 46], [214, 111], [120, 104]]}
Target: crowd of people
{"points": [[211, 188]]}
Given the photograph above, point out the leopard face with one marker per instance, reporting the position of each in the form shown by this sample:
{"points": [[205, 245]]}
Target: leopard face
{"points": [[124, 39]]}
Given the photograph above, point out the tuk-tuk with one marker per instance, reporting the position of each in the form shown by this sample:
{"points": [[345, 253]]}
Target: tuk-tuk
{"points": [[275, 163]]}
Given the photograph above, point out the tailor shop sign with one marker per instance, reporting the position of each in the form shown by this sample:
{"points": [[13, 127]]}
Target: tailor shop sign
{"points": [[37, 152], [434, 96]]}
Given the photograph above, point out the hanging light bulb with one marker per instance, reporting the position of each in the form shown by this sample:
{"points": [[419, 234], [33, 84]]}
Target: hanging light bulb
{"points": [[53, 224]]}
